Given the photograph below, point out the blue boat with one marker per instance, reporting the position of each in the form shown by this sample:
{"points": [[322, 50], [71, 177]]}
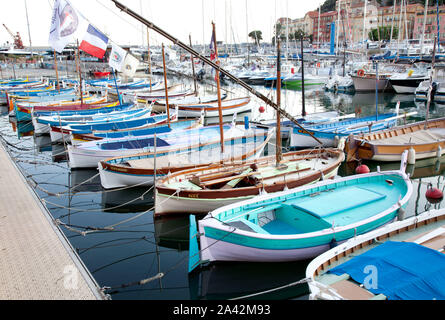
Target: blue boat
{"points": [[330, 133], [300, 223]]}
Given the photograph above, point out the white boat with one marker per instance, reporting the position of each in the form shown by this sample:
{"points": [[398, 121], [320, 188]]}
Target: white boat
{"points": [[88, 154], [300, 223], [399, 256]]}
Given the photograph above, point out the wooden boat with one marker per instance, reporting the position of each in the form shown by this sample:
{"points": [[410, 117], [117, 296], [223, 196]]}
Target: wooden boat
{"points": [[159, 105], [25, 112], [410, 249], [388, 145], [139, 169], [229, 107], [149, 129], [88, 154], [104, 122], [299, 223], [330, 133], [66, 132], [204, 189]]}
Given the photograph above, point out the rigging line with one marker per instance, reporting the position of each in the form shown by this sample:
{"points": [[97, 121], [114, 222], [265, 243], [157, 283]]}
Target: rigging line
{"points": [[304, 280]]}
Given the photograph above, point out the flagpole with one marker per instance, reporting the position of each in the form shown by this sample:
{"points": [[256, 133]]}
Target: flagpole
{"points": [[165, 86], [218, 85]]}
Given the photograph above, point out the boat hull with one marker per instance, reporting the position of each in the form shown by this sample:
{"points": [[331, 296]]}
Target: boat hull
{"points": [[225, 242]]}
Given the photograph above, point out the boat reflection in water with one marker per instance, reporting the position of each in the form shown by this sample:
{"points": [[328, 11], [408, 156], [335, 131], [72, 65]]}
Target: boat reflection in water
{"points": [[231, 280], [125, 200], [248, 281]]}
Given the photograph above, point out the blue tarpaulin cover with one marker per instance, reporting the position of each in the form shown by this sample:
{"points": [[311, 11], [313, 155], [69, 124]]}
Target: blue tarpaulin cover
{"points": [[402, 270]]}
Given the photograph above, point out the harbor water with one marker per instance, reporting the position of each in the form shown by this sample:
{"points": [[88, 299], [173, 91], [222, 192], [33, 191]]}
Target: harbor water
{"points": [[134, 256]]}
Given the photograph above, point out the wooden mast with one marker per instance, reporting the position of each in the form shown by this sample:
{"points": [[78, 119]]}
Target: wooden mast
{"points": [[278, 152], [149, 59], [80, 74], [57, 71], [193, 67], [213, 65], [165, 87], [218, 86], [428, 103]]}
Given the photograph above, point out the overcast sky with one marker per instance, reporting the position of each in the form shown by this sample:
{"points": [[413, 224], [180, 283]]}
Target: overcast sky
{"points": [[177, 17]]}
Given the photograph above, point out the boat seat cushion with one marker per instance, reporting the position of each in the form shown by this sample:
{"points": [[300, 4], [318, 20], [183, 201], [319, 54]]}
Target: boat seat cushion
{"points": [[329, 203]]}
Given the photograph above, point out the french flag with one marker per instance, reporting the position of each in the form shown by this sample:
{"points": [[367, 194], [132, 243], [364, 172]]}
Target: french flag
{"points": [[94, 42]]}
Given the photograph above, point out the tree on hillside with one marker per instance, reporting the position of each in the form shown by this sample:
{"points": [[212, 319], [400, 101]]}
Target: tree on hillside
{"points": [[257, 36], [383, 33]]}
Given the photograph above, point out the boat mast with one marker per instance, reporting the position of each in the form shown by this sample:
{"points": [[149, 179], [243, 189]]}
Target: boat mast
{"points": [[392, 21], [430, 89], [149, 59], [364, 22], [193, 67], [438, 27], [165, 87], [218, 86], [424, 26], [57, 71], [80, 74], [278, 151], [213, 65], [29, 30], [303, 111]]}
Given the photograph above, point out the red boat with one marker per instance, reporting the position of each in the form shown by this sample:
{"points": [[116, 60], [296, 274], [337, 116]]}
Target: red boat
{"points": [[101, 74]]}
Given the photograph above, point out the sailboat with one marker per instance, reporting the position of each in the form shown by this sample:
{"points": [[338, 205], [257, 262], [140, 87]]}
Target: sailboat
{"points": [[207, 188]]}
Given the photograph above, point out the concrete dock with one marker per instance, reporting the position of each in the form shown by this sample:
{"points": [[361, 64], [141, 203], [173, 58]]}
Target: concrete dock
{"points": [[36, 260]]}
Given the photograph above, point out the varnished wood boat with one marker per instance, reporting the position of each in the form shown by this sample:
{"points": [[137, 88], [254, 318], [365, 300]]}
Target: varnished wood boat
{"points": [[201, 190], [388, 145]]}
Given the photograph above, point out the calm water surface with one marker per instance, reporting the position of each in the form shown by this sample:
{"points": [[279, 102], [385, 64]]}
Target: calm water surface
{"points": [[140, 247]]}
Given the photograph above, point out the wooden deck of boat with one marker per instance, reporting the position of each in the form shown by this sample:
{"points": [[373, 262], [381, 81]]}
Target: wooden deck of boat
{"points": [[36, 260]]}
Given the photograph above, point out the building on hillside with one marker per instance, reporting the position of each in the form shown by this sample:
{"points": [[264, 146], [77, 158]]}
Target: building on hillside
{"points": [[321, 32], [430, 23]]}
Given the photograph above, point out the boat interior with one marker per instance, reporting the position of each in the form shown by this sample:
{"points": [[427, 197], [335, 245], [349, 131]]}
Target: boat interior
{"points": [[429, 234], [317, 209]]}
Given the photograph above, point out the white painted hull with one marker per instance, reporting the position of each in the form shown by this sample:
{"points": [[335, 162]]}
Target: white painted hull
{"points": [[211, 113], [112, 179], [369, 84], [404, 89], [300, 140]]}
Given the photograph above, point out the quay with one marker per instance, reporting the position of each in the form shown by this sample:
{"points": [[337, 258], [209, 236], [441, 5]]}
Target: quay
{"points": [[36, 260]]}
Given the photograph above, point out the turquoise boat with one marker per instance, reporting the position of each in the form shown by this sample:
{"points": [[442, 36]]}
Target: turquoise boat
{"points": [[300, 223]]}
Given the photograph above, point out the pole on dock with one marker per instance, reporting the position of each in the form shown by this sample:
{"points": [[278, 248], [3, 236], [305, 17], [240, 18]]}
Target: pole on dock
{"points": [[278, 152], [218, 86], [213, 65], [165, 87]]}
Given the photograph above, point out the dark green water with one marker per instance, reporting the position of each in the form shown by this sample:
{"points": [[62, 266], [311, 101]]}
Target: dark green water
{"points": [[140, 247]]}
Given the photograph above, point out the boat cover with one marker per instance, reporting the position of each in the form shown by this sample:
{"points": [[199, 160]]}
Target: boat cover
{"points": [[403, 271]]}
